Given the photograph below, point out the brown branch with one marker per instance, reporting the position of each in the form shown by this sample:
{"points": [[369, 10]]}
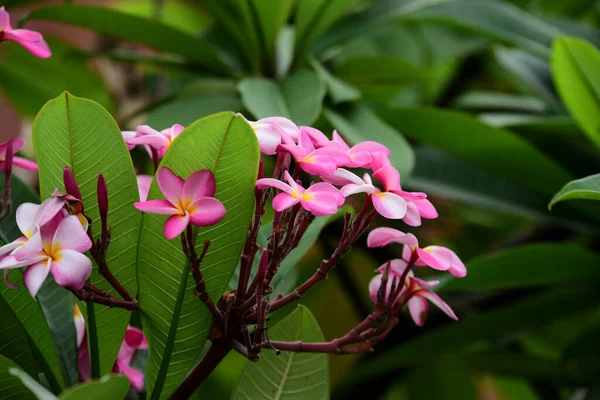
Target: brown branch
{"points": [[105, 300]]}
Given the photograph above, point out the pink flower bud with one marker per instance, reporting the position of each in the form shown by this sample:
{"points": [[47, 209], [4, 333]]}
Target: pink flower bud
{"points": [[102, 192], [71, 184]]}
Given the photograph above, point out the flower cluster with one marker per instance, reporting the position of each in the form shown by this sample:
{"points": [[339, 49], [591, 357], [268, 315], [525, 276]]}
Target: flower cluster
{"points": [[30, 40]]}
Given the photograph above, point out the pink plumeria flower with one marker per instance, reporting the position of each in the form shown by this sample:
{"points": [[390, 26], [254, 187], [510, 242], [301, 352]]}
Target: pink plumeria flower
{"points": [[129, 136], [436, 257], [57, 249], [320, 199], [269, 131], [322, 162], [416, 290], [159, 141], [190, 201], [387, 204], [144, 182], [17, 144], [417, 205], [32, 41]]}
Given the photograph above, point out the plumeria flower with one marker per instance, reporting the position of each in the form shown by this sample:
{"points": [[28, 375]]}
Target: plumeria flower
{"points": [[436, 257], [417, 205], [57, 249], [416, 290], [190, 201], [320, 199], [128, 136], [32, 41], [269, 131], [387, 204], [322, 162], [17, 144], [144, 182], [159, 141]]}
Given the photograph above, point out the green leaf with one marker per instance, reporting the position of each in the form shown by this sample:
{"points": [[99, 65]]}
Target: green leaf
{"points": [[558, 124], [63, 71], [587, 188], [496, 324], [499, 101], [339, 90], [580, 353], [11, 387], [298, 97], [272, 15], [575, 65], [107, 387], [145, 31], [531, 265], [313, 17], [175, 320], [67, 132], [482, 145], [359, 124], [451, 377], [288, 375], [23, 319], [40, 392]]}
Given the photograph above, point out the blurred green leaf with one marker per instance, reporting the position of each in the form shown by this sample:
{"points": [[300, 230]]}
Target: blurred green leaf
{"points": [[547, 124], [587, 188], [503, 388], [313, 17], [338, 90], [493, 149], [298, 97], [580, 355], [288, 375], [538, 264], [11, 387], [67, 132], [272, 15], [40, 392], [575, 66], [136, 29], [451, 377], [63, 71], [358, 124], [175, 321], [499, 101], [107, 387]]}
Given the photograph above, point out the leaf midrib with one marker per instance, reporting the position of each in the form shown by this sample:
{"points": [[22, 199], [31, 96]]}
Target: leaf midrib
{"points": [[290, 361]]}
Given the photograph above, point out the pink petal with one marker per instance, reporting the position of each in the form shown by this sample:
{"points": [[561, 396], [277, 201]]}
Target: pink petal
{"points": [[70, 235], [297, 152], [351, 189], [144, 182], [342, 176], [71, 269], [320, 167], [83, 363], [270, 182], [317, 137], [175, 225], [374, 286], [156, 207], [4, 20], [155, 141], [418, 307], [17, 144], [371, 148], [170, 185], [135, 338], [199, 184], [358, 160], [426, 209], [397, 267], [173, 131], [305, 142], [379, 160], [412, 217], [339, 155], [283, 201], [339, 140], [32, 248], [136, 377], [27, 218], [206, 211], [268, 136], [31, 41], [35, 275], [79, 325], [147, 131], [457, 269], [321, 203], [436, 257], [380, 237], [127, 136], [49, 210], [389, 205], [438, 302], [25, 164], [7, 281], [389, 177], [327, 188]]}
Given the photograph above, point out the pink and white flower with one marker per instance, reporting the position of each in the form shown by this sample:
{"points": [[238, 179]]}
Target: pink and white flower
{"points": [[436, 257], [160, 141], [190, 201], [144, 182], [32, 41], [129, 136], [270, 130], [17, 144], [320, 199]]}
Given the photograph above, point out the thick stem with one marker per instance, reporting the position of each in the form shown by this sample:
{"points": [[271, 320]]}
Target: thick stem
{"points": [[94, 297]]}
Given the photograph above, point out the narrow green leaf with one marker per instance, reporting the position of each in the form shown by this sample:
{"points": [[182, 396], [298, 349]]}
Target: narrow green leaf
{"points": [[499, 102], [272, 15], [145, 31], [339, 90], [482, 145], [63, 71], [559, 124], [40, 392], [68, 131], [107, 387], [175, 320], [11, 387], [527, 266], [587, 188], [298, 97], [289, 375], [451, 377], [359, 124], [575, 65], [313, 17]]}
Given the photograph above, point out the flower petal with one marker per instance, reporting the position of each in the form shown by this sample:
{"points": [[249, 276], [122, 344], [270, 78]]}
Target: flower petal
{"points": [[199, 184], [305, 142], [4, 20], [418, 307], [35, 275], [380, 237], [342, 176], [339, 140], [7, 281], [155, 141], [317, 137], [136, 377], [135, 338], [71, 269], [412, 217], [268, 136], [79, 325], [283, 201], [144, 182], [175, 225], [156, 207], [270, 182], [426, 209], [321, 203], [32, 41], [206, 211], [170, 185], [437, 257], [27, 218], [397, 267], [70, 235], [25, 164], [371, 147], [83, 363], [438, 302], [351, 189], [327, 188], [389, 177], [389, 205]]}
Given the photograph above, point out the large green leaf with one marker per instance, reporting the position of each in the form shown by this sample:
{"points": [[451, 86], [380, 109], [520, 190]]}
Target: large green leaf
{"points": [[530, 313], [531, 265], [575, 66], [68, 131], [587, 188], [288, 375], [359, 124], [496, 150], [175, 320], [107, 387], [145, 31], [11, 387], [451, 377], [313, 17], [298, 97], [272, 15], [63, 71]]}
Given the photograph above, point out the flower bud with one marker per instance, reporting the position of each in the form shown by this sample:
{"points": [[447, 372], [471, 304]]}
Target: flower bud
{"points": [[102, 192], [8, 158], [71, 184]]}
